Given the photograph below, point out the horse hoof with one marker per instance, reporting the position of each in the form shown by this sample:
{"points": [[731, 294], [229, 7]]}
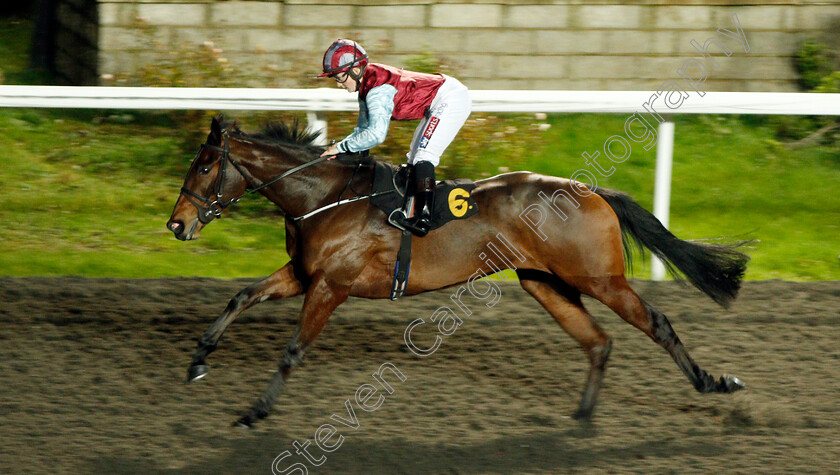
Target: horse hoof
{"points": [[730, 384], [196, 372], [244, 422]]}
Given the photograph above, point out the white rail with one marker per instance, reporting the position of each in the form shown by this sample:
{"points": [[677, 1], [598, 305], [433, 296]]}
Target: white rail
{"points": [[318, 100], [322, 99]]}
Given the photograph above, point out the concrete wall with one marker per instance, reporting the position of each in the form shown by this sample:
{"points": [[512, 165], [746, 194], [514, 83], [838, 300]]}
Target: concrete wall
{"points": [[515, 44]]}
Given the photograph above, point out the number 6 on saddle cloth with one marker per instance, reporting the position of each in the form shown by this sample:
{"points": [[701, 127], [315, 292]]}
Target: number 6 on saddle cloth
{"points": [[453, 200]]}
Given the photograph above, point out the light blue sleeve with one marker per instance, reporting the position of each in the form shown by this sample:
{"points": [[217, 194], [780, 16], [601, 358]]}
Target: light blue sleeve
{"points": [[374, 118]]}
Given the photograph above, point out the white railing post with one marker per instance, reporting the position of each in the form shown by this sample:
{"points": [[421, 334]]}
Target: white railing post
{"points": [[317, 124], [662, 186]]}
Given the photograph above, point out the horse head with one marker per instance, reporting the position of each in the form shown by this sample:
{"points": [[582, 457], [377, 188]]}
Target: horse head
{"points": [[275, 163], [211, 185]]}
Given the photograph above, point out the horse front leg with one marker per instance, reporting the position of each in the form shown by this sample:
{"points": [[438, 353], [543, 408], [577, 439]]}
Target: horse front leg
{"points": [[322, 298], [281, 284]]}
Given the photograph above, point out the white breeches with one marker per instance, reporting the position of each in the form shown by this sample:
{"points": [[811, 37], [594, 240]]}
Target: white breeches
{"points": [[449, 111]]}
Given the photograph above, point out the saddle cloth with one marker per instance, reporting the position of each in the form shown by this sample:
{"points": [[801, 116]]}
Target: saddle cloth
{"points": [[453, 198]]}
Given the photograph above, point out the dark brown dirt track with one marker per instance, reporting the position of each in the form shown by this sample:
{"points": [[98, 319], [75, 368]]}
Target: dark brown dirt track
{"points": [[92, 381]]}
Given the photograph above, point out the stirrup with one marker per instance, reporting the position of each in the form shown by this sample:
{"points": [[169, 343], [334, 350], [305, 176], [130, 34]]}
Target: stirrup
{"points": [[414, 225], [418, 226], [397, 218]]}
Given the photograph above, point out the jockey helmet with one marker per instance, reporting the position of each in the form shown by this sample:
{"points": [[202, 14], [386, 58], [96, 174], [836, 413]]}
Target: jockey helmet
{"points": [[342, 56]]}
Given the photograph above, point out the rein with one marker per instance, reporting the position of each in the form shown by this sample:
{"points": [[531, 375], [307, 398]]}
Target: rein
{"points": [[339, 203], [209, 209]]}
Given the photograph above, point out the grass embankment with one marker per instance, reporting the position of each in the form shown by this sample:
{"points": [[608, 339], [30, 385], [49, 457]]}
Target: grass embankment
{"points": [[88, 199], [92, 199], [82, 193]]}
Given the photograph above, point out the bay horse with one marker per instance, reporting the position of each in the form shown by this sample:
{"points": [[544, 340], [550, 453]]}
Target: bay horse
{"points": [[349, 250]]}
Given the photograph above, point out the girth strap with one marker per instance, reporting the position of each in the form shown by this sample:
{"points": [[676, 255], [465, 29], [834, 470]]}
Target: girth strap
{"points": [[402, 267]]}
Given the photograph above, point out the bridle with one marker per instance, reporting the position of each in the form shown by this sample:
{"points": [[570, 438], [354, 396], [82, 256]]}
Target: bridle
{"points": [[212, 207], [209, 208]]}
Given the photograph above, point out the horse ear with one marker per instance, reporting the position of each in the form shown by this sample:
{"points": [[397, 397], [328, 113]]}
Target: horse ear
{"points": [[215, 137]]}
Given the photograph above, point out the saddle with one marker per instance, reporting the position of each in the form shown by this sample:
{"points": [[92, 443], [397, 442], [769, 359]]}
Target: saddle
{"points": [[452, 201], [453, 198]]}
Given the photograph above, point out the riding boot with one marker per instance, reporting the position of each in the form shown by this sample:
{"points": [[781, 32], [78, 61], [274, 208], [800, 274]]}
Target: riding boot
{"points": [[424, 199]]}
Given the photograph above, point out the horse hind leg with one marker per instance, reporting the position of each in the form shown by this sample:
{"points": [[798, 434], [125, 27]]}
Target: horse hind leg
{"points": [[626, 303], [564, 304], [703, 382]]}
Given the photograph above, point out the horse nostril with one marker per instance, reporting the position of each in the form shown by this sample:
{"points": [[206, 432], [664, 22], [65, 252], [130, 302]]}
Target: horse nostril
{"points": [[174, 226]]}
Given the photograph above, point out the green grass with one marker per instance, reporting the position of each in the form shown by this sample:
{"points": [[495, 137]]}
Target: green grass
{"points": [[729, 180], [89, 192], [87, 199], [14, 52]]}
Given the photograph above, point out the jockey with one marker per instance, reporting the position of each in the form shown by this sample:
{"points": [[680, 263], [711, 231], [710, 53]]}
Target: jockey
{"points": [[441, 103]]}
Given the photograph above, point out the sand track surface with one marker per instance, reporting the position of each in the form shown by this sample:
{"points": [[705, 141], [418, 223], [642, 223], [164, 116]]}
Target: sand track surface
{"points": [[93, 370]]}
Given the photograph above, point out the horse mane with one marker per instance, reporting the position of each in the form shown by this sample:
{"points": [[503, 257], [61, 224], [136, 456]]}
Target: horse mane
{"points": [[280, 133], [288, 134]]}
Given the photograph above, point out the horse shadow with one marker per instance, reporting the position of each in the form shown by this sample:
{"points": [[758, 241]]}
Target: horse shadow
{"points": [[538, 451]]}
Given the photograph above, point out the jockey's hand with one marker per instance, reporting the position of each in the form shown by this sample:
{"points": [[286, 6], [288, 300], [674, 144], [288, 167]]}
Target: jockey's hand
{"points": [[330, 152]]}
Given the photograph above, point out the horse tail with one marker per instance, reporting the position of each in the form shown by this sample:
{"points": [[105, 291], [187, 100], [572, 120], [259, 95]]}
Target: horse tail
{"points": [[715, 269]]}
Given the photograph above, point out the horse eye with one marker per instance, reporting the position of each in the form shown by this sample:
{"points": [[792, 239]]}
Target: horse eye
{"points": [[204, 171]]}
